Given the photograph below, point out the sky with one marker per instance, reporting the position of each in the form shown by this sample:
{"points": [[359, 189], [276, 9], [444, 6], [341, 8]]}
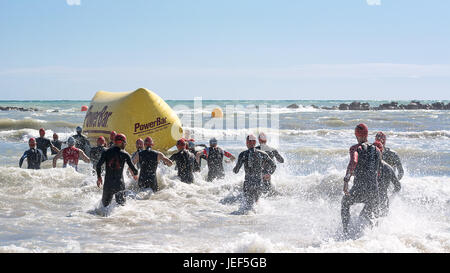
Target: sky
{"points": [[226, 49]]}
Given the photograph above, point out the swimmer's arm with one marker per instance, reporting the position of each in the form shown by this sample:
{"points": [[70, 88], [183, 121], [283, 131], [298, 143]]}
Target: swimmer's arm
{"points": [[198, 155], [399, 166], [279, 158], [100, 163], [272, 165], [164, 159], [57, 156], [22, 159], [352, 164], [84, 157], [229, 155], [396, 182], [56, 150], [136, 159], [130, 164], [239, 163]]}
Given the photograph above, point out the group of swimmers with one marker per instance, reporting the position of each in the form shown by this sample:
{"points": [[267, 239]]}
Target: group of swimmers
{"points": [[374, 166], [110, 159]]}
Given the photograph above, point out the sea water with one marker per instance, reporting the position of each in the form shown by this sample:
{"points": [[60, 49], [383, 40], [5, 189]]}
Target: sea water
{"points": [[57, 210]]}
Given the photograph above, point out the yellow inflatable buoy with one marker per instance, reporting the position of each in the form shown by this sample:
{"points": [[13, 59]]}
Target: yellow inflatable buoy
{"points": [[136, 114], [217, 113]]}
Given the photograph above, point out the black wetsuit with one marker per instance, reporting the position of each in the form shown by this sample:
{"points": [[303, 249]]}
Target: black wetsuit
{"points": [[96, 154], [82, 143], [197, 165], [392, 158], [256, 164], [133, 156], [214, 158], [115, 159], [365, 184], [185, 165], [387, 176], [43, 144], [58, 144], [148, 159], [272, 153], [34, 158]]}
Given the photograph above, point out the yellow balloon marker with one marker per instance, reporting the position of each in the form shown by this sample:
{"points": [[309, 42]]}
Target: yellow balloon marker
{"points": [[217, 113], [136, 114]]}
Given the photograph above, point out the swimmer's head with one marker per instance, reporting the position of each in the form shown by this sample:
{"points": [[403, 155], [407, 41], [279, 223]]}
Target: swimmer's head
{"points": [[70, 141], [251, 141], [79, 130], [121, 141], [112, 135], [55, 136], [139, 144], [191, 144], [148, 142], [262, 138], [381, 137], [101, 141], [361, 132], [213, 142], [379, 145], [42, 132], [32, 142], [181, 144]]}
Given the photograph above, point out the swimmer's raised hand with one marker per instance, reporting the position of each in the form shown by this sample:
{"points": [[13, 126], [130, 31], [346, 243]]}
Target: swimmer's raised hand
{"points": [[99, 182]]}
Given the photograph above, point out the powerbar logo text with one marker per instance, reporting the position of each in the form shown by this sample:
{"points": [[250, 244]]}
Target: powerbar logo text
{"points": [[140, 128], [97, 119]]}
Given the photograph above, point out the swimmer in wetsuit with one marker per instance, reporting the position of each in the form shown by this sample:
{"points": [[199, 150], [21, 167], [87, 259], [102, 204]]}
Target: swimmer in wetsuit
{"points": [[390, 156], [43, 144], [185, 162], [257, 165], [112, 135], [387, 176], [365, 165], [115, 159], [148, 159], [57, 143], [96, 152], [273, 153], [34, 156], [71, 155], [192, 148], [81, 141], [214, 156]]}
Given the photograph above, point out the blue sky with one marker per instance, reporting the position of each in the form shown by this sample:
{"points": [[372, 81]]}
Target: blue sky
{"points": [[226, 49]]}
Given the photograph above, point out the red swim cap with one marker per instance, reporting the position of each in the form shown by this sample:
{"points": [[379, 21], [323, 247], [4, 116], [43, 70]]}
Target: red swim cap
{"points": [[148, 141], [113, 134], [101, 140], [381, 137], [41, 131], [251, 137], [378, 145], [140, 141], [181, 142], [120, 138], [361, 130], [32, 142]]}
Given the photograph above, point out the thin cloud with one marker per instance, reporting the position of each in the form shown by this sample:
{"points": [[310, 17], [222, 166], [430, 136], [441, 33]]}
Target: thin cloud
{"points": [[373, 2], [73, 2]]}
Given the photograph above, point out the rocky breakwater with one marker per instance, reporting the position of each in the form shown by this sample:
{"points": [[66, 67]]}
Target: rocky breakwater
{"points": [[364, 106], [13, 108]]}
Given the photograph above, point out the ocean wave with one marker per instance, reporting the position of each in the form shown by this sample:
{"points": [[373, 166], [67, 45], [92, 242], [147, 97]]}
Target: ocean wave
{"points": [[11, 124]]}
